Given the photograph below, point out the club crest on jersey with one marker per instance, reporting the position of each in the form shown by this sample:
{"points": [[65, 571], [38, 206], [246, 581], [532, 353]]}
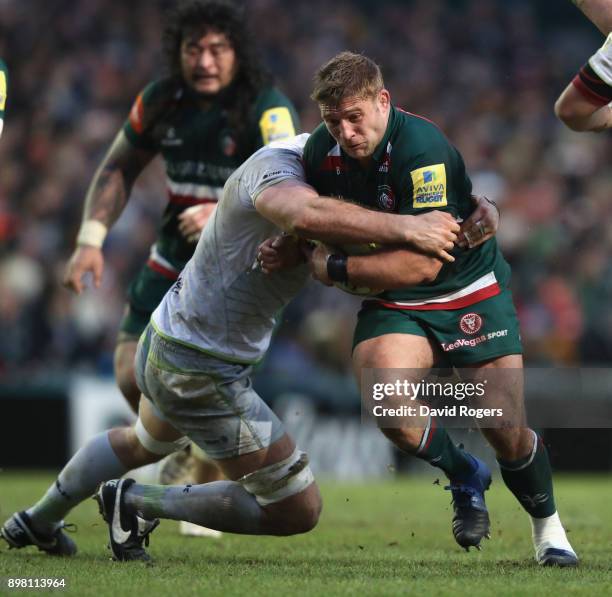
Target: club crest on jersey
{"points": [[470, 323], [429, 186], [229, 147], [170, 139], [386, 198]]}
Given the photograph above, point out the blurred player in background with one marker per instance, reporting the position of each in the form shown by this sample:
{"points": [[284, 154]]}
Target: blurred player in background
{"points": [[584, 104], [213, 111], [373, 153], [3, 92], [194, 364]]}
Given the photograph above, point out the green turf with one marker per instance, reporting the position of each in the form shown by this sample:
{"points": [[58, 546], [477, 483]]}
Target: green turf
{"points": [[387, 538]]}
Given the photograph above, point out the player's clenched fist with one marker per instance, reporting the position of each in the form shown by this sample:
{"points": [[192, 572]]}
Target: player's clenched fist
{"points": [[434, 233], [84, 260], [279, 253]]}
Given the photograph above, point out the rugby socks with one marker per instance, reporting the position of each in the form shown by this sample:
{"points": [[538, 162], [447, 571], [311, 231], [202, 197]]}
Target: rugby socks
{"points": [[221, 505], [93, 463], [530, 480], [549, 532], [438, 449]]}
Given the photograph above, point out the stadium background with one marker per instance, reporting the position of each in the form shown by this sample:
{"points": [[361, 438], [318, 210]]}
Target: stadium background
{"points": [[486, 71]]}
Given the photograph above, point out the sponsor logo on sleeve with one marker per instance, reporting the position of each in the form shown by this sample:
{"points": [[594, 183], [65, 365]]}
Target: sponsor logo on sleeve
{"points": [[276, 124], [429, 186]]}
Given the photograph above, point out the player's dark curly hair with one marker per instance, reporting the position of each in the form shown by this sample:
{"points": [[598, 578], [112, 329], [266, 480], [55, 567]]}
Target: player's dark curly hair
{"points": [[200, 16]]}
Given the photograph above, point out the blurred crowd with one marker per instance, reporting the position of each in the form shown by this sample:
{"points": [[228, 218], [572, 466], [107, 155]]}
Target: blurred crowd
{"points": [[487, 72]]}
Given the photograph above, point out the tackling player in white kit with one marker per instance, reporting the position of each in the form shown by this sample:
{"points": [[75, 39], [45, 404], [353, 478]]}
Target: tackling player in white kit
{"points": [[194, 363]]}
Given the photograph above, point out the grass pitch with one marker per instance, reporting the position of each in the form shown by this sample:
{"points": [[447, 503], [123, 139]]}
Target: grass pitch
{"points": [[379, 538]]}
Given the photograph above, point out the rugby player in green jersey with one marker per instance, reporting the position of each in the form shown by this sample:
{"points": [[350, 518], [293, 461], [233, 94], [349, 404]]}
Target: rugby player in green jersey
{"points": [[586, 103], [373, 153], [3, 92], [213, 111]]}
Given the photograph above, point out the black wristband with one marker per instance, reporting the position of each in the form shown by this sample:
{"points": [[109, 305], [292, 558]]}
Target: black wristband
{"points": [[336, 268]]}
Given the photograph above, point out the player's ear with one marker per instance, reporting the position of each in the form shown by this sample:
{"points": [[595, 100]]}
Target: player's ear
{"points": [[384, 99]]}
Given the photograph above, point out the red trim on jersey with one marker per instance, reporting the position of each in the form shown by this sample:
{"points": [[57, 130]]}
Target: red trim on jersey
{"points": [[189, 200], [587, 92], [332, 162], [460, 303], [137, 115], [416, 116], [160, 269]]}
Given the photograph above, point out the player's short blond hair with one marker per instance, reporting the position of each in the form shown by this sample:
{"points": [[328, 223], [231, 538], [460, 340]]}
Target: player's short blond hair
{"points": [[347, 75]]}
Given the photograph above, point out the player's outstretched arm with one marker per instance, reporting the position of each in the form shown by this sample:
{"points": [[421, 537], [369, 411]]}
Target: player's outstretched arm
{"points": [[580, 114], [107, 196], [584, 105], [296, 208], [388, 269]]}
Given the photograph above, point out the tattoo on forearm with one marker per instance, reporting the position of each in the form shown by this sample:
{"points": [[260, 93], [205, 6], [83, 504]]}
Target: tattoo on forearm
{"points": [[107, 196]]}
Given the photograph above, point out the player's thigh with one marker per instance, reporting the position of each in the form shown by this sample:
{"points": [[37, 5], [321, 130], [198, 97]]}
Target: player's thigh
{"points": [[212, 402], [390, 349], [503, 380], [125, 352], [387, 339], [155, 424]]}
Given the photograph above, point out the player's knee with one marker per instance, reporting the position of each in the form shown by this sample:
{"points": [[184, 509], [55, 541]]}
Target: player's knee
{"points": [[147, 449], [511, 444], [288, 493], [299, 515], [309, 513]]}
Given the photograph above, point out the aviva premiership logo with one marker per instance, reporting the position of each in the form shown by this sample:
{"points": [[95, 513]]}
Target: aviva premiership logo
{"points": [[429, 186]]}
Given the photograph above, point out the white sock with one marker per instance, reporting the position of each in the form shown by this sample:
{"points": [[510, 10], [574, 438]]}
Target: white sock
{"points": [[549, 532], [93, 463]]}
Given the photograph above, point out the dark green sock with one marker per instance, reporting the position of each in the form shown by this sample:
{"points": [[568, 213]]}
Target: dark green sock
{"points": [[438, 449], [530, 480]]}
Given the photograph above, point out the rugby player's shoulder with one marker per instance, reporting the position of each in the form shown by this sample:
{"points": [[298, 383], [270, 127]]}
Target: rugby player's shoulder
{"points": [[416, 133], [269, 95], [168, 89], [319, 143]]}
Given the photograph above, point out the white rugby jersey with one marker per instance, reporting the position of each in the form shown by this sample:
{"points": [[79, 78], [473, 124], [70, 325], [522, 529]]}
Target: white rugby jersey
{"points": [[601, 61], [222, 304]]}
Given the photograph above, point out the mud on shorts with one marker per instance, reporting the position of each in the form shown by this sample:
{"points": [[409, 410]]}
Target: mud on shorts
{"points": [[474, 334], [145, 292], [210, 400]]}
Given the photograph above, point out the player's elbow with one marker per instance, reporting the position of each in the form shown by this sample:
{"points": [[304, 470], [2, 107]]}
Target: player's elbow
{"points": [[569, 115], [414, 272]]}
